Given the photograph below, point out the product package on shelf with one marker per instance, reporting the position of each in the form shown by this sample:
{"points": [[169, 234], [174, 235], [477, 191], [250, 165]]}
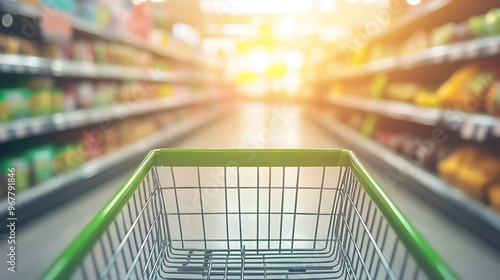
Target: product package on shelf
{"points": [[42, 160], [14, 103], [472, 168], [69, 156]]}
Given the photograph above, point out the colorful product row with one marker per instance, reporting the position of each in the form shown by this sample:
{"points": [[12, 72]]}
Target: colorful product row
{"points": [[472, 168], [41, 164], [473, 88], [476, 27], [19, 103]]}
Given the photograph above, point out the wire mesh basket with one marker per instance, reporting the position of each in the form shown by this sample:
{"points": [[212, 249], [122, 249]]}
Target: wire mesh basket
{"points": [[250, 214]]}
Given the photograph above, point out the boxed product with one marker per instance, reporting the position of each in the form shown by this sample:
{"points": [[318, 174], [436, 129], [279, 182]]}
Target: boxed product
{"points": [[22, 169], [41, 102], [93, 143], [471, 168], [14, 103], [83, 51], [105, 94], [102, 53], [113, 139], [69, 157], [57, 100], [85, 94], [69, 98], [42, 160]]}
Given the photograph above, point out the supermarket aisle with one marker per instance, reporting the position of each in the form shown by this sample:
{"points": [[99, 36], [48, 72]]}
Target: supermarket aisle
{"points": [[254, 126]]}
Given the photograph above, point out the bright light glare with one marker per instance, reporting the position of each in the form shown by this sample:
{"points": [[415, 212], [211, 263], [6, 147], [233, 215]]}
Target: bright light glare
{"points": [[369, 1], [414, 2], [257, 6], [259, 62], [288, 22], [327, 6], [294, 60], [138, 2], [351, 1]]}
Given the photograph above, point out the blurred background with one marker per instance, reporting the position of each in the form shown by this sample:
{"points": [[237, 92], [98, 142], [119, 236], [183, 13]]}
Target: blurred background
{"points": [[88, 87]]}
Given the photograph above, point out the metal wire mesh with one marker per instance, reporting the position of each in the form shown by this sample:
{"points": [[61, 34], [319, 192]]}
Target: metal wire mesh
{"points": [[250, 223]]}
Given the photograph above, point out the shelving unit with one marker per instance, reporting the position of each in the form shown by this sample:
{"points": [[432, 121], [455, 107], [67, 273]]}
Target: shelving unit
{"points": [[197, 73], [26, 202], [477, 216], [84, 26], [90, 28], [451, 119], [19, 64], [419, 15], [20, 129], [474, 49], [419, 67]]}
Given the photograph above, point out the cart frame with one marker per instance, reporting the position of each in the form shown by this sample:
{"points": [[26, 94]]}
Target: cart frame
{"points": [[427, 259]]}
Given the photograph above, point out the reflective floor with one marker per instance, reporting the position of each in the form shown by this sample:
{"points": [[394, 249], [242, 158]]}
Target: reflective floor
{"points": [[252, 126]]}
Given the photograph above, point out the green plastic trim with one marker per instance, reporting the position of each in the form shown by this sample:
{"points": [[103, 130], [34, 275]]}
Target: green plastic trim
{"points": [[430, 262], [67, 263], [420, 249]]}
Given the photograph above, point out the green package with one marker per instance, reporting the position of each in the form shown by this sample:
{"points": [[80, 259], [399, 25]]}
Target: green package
{"points": [[369, 125], [21, 172], [42, 160], [378, 86], [41, 102], [57, 101], [14, 103], [69, 157]]}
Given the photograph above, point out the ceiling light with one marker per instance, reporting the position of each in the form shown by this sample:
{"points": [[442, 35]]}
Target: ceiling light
{"points": [[414, 2]]}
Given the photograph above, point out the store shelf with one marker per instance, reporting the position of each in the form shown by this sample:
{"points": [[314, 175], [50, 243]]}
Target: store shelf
{"points": [[449, 53], [393, 109], [19, 64], [416, 16], [478, 216], [92, 168], [170, 52], [85, 26], [22, 10], [28, 127], [471, 126]]}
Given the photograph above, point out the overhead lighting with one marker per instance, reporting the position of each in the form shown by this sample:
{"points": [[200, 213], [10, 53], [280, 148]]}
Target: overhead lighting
{"points": [[369, 1], [351, 1], [138, 2], [275, 7], [288, 22], [414, 2], [327, 6]]}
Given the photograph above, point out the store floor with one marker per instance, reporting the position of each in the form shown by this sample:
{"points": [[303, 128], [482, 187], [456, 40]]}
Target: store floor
{"points": [[253, 126]]}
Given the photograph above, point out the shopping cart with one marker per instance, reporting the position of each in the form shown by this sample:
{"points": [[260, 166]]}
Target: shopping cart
{"points": [[250, 214]]}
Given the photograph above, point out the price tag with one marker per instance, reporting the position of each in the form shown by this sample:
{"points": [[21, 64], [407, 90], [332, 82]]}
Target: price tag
{"points": [[493, 48], [437, 59], [31, 70], [472, 50], [467, 131], [4, 135], [20, 131], [482, 133], [496, 129], [5, 67], [19, 68], [456, 53], [37, 126]]}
